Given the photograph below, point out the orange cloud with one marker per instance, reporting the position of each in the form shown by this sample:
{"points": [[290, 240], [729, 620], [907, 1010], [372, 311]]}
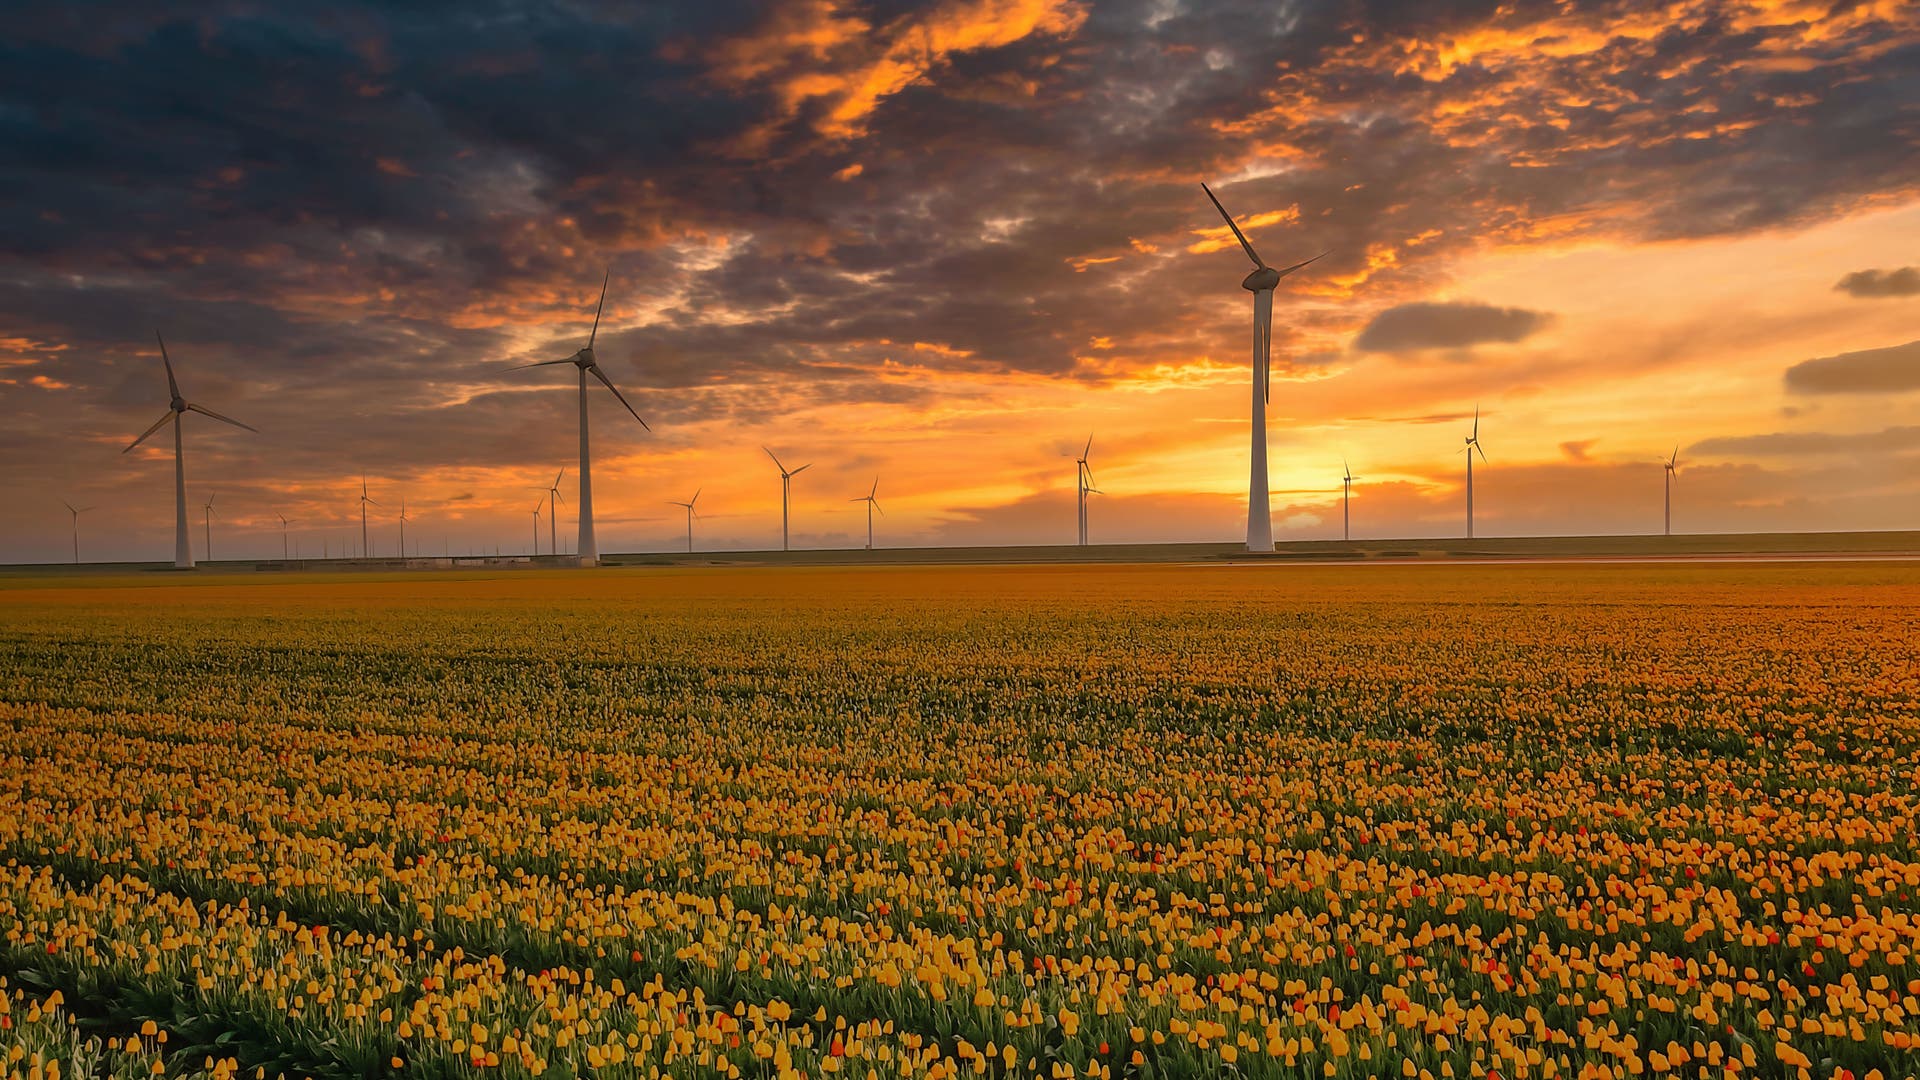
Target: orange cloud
{"points": [[815, 51]]}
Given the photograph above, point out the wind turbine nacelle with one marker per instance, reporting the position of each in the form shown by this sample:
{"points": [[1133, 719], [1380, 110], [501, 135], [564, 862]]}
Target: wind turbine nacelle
{"points": [[584, 357], [1261, 280]]}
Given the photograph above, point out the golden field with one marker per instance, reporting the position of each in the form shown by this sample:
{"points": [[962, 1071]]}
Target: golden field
{"points": [[1160, 821]]}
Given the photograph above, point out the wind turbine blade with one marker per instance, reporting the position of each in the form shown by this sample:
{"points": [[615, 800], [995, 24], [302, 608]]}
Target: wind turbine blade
{"points": [[542, 363], [1298, 265], [222, 419], [157, 425], [1238, 235], [1088, 452], [69, 506], [598, 374], [1483, 453], [801, 469], [172, 387], [696, 495], [861, 498], [776, 462], [875, 490], [562, 475], [1476, 421], [596, 312], [876, 506]]}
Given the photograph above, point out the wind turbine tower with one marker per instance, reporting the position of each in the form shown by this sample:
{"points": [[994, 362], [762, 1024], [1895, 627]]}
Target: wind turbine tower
{"points": [[589, 548], [403, 528], [691, 514], [1672, 468], [1083, 483], [207, 513], [786, 493], [176, 412], [553, 513], [365, 553], [76, 511], [1473, 445], [283, 536], [1260, 283], [1346, 501], [873, 503]]}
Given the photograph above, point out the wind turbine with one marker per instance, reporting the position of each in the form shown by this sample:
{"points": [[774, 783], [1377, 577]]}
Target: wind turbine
{"points": [[1083, 482], [1346, 499], [207, 512], [76, 511], [1473, 444], [690, 515], [1261, 284], [1672, 466], [403, 528], [178, 408], [364, 500], [873, 503], [553, 515], [589, 549], [536, 528], [283, 536], [786, 490]]}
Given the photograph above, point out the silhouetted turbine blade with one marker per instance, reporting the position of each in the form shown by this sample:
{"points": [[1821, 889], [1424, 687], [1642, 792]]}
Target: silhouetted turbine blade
{"points": [[157, 425], [1242, 237], [222, 419], [608, 383]]}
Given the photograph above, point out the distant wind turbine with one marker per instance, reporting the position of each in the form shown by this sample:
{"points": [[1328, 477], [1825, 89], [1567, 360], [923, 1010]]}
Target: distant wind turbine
{"points": [[1473, 444], [403, 527], [207, 512], [553, 512], [1083, 484], [1346, 500], [691, 514], [786, 492], [365, 553], [283, 536], [589, 548], [873, 503], [76, 511], [536, 527], [1672, 469], [1260, 283], [182, 546]]}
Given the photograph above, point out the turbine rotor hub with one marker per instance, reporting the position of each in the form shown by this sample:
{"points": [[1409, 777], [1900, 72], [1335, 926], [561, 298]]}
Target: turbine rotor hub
{"points": [[1264, 278]]}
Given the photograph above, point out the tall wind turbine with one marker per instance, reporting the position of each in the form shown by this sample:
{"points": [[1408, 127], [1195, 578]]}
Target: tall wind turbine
{"points": [[207, 513], [283, 536], [1261, 284], [1473, 444], [1083, 483], [786, 492], [76, 511], [589, 549], [873, 503], [1346, 500], [182, 546], [1672, 467], [403, 528], [690, 515], [553, 512], [365, 553], [536, 528]]}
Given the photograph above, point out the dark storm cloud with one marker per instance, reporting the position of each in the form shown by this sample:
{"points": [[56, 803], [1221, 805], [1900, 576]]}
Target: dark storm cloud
{"points": [[1410, 327], [1904, 281], [1893, 369], [1794, 444], [351, 217]]}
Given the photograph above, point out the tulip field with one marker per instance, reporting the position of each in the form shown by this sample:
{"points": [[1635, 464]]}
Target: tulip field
{"points": [[1107, 821]]}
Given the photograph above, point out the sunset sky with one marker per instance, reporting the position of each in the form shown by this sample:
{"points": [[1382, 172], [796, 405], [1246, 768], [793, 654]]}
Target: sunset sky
{"points": [[942, 242]]}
